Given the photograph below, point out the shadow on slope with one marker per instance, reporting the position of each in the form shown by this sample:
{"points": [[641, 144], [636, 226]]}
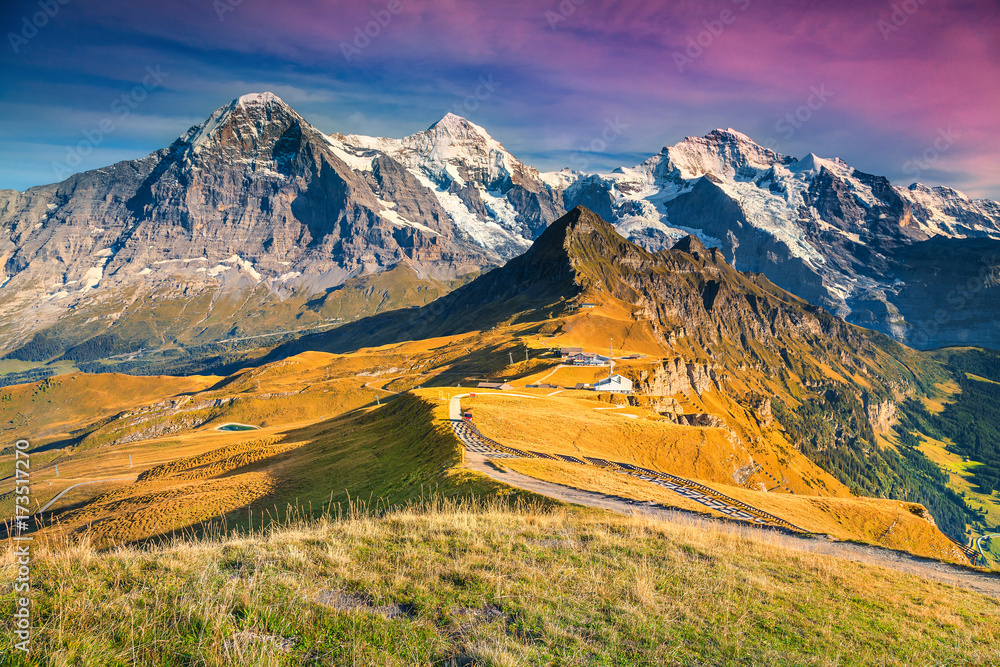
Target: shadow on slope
{"points": [[390, 455]]}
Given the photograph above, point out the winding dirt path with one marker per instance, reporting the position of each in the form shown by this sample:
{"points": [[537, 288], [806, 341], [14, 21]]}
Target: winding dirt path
{"points": [[953, 575]]}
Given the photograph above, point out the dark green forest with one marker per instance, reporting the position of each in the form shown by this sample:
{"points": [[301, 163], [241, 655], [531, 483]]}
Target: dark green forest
{"points": [[972, 420], [833, 430]]}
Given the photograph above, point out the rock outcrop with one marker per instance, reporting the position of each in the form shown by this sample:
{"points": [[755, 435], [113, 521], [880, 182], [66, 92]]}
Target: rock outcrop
{"points": [[676, 376], [881, 414]]}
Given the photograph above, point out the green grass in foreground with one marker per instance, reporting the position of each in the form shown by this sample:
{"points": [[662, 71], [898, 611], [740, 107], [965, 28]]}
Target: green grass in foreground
{"points": [[465, 584]]}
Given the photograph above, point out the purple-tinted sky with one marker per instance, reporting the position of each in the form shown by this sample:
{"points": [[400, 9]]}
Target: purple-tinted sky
{"points": [[909, 89]]}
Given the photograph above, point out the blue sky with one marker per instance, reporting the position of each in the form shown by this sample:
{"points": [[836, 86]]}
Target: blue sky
{"points": [[558, 73]]}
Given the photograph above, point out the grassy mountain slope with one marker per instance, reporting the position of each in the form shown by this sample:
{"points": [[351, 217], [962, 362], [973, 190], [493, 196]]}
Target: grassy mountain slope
{"points": [[454, 585]]}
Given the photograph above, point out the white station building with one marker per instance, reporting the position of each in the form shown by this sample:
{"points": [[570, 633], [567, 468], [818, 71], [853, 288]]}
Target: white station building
{"points": [[616, 384]]}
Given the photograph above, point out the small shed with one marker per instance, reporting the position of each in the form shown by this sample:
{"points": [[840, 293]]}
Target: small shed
{"points": [[502, 386]]}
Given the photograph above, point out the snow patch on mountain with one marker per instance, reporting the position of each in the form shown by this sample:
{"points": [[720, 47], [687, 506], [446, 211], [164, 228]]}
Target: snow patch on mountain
{"points": [[215, 270], [185, 260], [774, 215], [486, 233], [396, 219], [246, 265], [560, 180], [350, 154], [94, 275], [259, 99]]}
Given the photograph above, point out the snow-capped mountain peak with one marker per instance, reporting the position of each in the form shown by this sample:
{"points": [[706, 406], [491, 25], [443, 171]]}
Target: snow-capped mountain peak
{"points": [[487, 192], [244, 121], [454, 150], [458, 142], [259, 99], [454, 125], [811, 165], [724, 153]]}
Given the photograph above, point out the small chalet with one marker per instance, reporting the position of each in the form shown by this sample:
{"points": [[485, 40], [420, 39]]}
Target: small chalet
{"points": [[589, 359]]}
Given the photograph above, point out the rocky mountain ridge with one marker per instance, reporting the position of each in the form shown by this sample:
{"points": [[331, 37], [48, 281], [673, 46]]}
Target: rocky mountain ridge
{"points": [[834, 235], [258, 215], [254, 200]]}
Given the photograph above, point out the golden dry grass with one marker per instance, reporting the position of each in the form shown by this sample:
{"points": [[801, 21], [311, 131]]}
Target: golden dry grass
{"points": [[571, 426], [886, 523], [577, 427], [174, 446], [468, 584], [326, 439], [564, 424], [612, 319], [177, 444], [66, 402]]}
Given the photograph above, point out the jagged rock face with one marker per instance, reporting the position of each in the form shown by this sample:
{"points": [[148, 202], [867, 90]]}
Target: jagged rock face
{"points": [[882, 415], [829, 233], [761, 408], [676, 376], [947, 292], [258, 182], [698, 419]]}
